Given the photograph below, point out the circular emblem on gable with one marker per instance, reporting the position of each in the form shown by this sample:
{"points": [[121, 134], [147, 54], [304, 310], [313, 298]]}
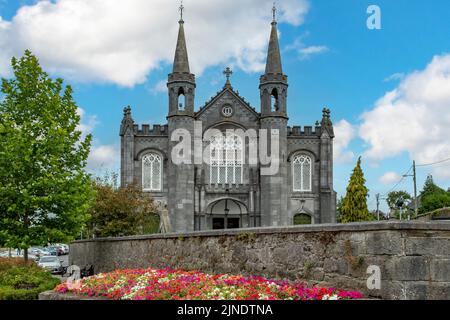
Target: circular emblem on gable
{"points": [[227, 111]]}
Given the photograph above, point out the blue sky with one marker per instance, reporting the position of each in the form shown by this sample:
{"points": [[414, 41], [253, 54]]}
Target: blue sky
{"points": [[351, 70]]}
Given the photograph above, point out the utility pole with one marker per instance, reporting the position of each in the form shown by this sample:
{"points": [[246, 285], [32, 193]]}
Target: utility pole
{"points": [[414, 175], [416, 206], [378, 206]]}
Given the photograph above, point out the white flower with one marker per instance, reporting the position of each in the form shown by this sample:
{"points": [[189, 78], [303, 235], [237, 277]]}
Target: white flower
{"points": [[328, 297]]}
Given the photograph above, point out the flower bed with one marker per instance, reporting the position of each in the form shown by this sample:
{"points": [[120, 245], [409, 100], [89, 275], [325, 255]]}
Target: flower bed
{"points": [[168, 284]]}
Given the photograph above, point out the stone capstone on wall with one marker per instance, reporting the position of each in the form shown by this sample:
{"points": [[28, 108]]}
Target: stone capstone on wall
{"points": [[414, 257]]}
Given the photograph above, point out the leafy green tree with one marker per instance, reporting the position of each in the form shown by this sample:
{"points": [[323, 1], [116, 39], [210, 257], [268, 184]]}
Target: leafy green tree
{"points": [[354, 205], [433, 202], [392, 200], [433, 197], [121, 211], [44, 189], [430, 188]]}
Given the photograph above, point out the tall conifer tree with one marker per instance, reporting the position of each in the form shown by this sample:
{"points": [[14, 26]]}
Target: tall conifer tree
{"points": [[354, 205]]}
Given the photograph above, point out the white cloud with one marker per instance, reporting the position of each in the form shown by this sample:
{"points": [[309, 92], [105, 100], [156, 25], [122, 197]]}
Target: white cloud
{"points": [[344, 133], [159, 87], [5, 48], [87, 123], [395, 77], [122, 41], [390, 178], [104, 158], [305, 52], [413, 118]]}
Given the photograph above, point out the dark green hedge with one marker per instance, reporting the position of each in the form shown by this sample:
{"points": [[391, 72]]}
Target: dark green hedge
{"points": [[23, 281]]}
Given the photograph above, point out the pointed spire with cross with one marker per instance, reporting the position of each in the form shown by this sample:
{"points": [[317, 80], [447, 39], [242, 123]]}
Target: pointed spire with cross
{"points": [[228, 72]]}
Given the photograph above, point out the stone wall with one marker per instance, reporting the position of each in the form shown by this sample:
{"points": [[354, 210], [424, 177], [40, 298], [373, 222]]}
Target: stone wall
{"points": [[414, 257]]}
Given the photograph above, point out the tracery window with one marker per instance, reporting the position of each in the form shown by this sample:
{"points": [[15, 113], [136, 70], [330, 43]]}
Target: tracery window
{"points": [[226, 159], [152, 172], [302, 173]]}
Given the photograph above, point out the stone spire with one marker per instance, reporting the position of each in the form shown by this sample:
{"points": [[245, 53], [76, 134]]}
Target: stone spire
{"points": [[127, 121], [273, 65], [326, 123], [181, 61]]}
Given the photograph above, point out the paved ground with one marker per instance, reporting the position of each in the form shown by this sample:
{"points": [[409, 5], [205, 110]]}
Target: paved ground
{"points": [[65, 260]]}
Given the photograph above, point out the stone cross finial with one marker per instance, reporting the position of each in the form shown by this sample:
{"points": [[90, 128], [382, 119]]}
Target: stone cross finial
{"points": [[181, 10], [127, 111], [228, 72], [274, 12]]}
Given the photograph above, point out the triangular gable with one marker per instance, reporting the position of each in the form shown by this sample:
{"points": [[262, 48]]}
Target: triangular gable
{"points": [[213, 100]]}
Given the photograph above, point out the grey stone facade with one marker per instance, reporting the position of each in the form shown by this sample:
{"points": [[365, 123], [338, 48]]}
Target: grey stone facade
{"points": [[192, 201]]}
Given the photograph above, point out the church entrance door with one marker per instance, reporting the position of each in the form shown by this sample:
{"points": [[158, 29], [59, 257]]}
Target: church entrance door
{"points": [[218, 223], [231, 223], [227, 214]]}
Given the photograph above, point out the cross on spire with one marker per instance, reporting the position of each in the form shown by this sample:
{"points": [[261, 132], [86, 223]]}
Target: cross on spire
{"points": [[181, 10], [228, 72], [274, 12]]}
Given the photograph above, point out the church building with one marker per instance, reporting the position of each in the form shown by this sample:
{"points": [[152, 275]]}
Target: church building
{"points": [[228, 192]]}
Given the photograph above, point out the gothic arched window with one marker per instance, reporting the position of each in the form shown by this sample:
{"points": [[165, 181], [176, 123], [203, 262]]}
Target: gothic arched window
{"points": [[152, 171], [181, 100], [302, 173], [274, 104], [226, 159]]}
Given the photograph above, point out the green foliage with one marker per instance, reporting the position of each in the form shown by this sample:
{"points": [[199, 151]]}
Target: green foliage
{"points": [[433, 197], [354, 205], [394, 196], [391, 202], [430, 188], [433, 202], [23, 281], [121, 211], [44, 190]]}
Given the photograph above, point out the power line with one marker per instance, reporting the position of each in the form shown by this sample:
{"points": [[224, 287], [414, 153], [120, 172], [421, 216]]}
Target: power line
{"points": [[384, 196], [432, 164], [401, 180], [407, 174]]}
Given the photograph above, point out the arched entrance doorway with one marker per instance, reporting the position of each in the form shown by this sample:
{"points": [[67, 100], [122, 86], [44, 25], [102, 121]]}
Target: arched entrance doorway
{"points": [[302, 218], [227, 214]]}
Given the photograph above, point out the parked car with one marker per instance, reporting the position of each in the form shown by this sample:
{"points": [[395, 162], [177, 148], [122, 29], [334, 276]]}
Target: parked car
{"points": [[39, 252], [52, 264], [64, 247], [55, 250], [52, 250], [31, 256]]}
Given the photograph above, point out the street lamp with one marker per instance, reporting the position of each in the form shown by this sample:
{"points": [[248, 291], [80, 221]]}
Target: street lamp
{"points": [[399, 204], [227, 211]]}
